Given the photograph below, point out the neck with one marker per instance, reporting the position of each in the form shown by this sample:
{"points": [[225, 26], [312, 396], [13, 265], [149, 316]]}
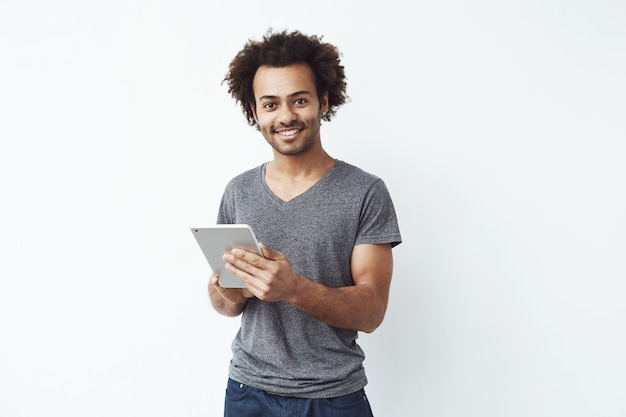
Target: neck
{"points": [[311, 164]]}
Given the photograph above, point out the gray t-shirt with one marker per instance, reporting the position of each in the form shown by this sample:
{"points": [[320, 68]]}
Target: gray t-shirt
{"points": [[280, 349]]}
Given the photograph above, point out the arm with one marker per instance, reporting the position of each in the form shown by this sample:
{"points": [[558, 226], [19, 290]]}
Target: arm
{"points": [[359, 307], [227, 301]]}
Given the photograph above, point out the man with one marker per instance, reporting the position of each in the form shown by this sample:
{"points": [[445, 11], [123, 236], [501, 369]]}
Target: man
{"points": [[327, 229]]}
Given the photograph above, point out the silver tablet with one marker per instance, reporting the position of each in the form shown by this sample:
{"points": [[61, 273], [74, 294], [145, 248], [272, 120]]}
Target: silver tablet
{"points": [[215, 240]]}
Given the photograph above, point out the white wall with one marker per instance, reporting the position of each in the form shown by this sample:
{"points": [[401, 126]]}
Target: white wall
{"points": [[499, 128]]}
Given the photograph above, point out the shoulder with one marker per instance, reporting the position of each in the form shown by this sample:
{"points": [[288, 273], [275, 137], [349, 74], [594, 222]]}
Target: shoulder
{"points": [[354, 173], [246, 178], [356, 178]]}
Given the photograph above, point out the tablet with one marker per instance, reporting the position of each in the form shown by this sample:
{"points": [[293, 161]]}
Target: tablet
{"points": [[218, 239]]}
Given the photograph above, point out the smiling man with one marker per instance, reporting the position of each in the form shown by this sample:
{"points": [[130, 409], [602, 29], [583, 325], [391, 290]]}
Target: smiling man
{"points": [[327, 230], [289, 120]]}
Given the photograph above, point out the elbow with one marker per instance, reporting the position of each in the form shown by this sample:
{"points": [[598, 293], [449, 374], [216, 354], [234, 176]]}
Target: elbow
{"points": [[373, 323], [374, 314], [371, 328]]}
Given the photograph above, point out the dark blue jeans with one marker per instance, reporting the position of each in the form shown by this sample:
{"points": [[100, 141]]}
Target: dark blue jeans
{"points": [[245, 401]]}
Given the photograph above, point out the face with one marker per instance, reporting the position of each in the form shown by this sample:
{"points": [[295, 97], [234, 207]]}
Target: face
{"points": [[287, 108]]}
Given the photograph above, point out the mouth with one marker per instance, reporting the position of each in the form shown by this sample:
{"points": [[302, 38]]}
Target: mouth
{"points": [[288, 133]]}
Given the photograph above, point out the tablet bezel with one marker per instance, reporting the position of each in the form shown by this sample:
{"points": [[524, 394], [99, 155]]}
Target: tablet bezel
{"points": [[215, 240]]}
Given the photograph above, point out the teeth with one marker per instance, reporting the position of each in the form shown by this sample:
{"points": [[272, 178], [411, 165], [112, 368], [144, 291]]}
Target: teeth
{"points": [[289, 132]]}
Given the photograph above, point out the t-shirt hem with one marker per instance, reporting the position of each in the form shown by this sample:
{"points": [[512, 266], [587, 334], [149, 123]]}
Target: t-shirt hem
{"points": [[313, 391], [394, 240]]}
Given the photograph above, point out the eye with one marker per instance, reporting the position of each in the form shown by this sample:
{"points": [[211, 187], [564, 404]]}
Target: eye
{"points": [[301, 101], [269, 106]]}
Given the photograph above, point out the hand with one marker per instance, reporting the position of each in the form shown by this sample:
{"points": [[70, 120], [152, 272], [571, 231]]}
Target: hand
{"points": [[269, 278], [232, 295]]}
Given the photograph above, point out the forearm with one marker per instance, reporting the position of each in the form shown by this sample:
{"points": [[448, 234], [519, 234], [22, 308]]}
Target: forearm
{"points": [[226, 307], [356, 307], [226, 301]]}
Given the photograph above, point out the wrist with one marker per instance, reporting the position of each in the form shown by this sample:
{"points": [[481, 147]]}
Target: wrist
{"points": [[299, 289], [233, 296]]}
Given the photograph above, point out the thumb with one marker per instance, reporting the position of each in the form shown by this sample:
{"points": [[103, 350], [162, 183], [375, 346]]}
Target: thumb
{"points": [[267, 252]]}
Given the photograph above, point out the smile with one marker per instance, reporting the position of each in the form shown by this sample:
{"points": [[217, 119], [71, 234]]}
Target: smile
{"points": [[288, 132]]}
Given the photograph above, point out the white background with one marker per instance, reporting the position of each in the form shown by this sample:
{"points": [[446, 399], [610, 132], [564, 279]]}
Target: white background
{"points": [[499, 128]]}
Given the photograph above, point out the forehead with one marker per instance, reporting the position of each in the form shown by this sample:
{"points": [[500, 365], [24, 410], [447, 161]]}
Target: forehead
{"points": [[283, 81]]}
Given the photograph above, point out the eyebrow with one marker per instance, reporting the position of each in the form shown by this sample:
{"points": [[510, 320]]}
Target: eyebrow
{"points": [[297, 93]]}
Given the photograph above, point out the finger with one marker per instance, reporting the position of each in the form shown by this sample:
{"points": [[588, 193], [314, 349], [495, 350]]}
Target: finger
{"points": [[270, 253], [240, 256], [265, 250], [241, 269], [253, 283]]}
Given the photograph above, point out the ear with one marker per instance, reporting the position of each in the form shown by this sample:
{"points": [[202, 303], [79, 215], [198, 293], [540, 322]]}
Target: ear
{"points": [[324, 103], [253, 108]]}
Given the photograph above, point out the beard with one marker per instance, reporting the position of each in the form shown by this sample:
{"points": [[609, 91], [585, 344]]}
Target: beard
{"points": [[310, 132]]}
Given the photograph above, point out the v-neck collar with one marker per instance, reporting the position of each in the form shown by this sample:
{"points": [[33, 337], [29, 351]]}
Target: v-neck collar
{"points": [[302, 194]]}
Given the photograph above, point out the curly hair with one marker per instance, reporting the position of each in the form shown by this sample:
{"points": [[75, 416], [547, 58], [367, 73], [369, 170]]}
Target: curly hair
{"points": [[280, 50]]}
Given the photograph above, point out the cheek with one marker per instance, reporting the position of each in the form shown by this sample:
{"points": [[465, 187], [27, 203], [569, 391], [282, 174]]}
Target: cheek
{"points": [[264, 122]]}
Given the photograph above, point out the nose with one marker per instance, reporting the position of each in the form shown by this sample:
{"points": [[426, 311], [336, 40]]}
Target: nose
{"points": [[286, 115]]}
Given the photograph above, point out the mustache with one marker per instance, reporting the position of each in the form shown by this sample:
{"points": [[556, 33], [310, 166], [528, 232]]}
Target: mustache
{"points": [[295, 125]]}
